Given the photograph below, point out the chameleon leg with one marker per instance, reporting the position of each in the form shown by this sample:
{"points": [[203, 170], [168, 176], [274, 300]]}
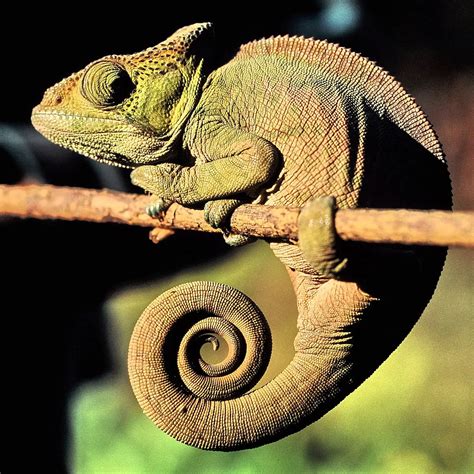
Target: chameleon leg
{"points": [[201, 183], [241, 164], [223, 178], [318, 238]]}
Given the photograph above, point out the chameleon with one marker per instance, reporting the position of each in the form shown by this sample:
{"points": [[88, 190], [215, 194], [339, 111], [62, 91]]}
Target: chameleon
{"points": [[289, 121]]}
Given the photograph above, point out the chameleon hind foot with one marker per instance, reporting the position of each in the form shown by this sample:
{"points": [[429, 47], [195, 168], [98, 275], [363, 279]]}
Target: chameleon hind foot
{"points": [[318, 238]]}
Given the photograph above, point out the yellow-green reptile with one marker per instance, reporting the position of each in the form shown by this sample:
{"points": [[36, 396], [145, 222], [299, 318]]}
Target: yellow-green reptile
{"points": [[286, 121]]}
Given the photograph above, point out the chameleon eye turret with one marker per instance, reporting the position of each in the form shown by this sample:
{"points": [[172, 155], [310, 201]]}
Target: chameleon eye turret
{"points": [[106, 84]]}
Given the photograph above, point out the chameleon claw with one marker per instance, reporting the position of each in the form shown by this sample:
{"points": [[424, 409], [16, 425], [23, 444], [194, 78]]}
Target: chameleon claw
{"points": [[157, 208], [237, 240], [151, 211]]}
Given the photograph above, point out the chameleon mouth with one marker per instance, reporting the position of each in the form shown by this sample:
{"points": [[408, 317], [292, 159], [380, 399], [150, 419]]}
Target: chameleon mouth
{"points": [[93, 141], [61, 123], [98, 154], [115, 141]]}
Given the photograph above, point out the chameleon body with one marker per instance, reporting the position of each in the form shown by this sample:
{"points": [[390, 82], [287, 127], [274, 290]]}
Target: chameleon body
{"points": [[286, 121]]}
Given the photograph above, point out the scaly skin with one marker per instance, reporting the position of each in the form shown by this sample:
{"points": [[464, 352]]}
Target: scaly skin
{"points": [[286, 121]]}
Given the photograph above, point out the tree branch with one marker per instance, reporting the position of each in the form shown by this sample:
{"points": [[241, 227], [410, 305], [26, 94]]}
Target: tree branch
{"points": [[367, 225]]}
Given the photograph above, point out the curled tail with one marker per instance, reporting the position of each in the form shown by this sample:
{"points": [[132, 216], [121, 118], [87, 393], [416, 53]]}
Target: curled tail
{"points": [[205, 405]]}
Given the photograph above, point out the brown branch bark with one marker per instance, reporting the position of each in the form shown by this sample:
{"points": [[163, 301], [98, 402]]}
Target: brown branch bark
{"points": [[367, 225]]}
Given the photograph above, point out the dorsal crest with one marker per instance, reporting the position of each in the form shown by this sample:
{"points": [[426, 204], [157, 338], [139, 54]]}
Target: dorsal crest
{"points": [[356, 73]]}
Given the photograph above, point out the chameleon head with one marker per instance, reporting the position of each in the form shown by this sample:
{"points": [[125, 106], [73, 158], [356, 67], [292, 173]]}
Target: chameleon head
{"points": [[127, 110]]}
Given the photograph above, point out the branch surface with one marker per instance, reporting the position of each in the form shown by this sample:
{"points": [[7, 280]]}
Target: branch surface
{"points": [[367, 225]]}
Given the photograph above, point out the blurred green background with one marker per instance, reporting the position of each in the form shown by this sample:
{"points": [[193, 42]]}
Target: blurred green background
{"points": [[413, 415]]}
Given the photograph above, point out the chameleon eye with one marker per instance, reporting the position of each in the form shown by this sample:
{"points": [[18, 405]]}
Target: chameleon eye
{"points": [[106, 84]]}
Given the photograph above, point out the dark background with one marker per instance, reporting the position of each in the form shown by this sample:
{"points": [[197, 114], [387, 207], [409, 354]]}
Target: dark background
{"points": [[58, 274]]}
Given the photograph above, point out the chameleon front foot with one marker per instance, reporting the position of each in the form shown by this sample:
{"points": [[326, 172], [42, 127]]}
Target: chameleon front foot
{"points": [[217, 214], [318, 239], [156, 180], [157, 207], [160, 180]]}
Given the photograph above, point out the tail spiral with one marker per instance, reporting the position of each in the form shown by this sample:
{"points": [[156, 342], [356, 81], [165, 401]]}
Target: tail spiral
{"points": [[166, 369]]}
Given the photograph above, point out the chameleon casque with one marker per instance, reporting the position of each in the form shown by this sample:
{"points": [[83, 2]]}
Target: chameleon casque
{"points": [[287, 121]]}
